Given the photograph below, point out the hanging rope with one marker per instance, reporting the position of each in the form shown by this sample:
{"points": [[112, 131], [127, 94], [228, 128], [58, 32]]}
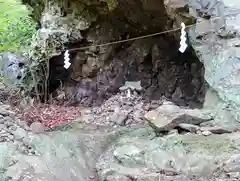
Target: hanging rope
{"points": [[147, 36]]}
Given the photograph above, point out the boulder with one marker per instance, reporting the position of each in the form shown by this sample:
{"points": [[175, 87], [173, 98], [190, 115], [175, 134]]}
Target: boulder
{"points": [[216, 44], [214, 39], [224, 116], [167, 117], [13, 68]]}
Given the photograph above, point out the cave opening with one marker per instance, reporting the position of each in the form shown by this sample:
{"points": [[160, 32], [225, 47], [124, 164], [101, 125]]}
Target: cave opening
{"points": [[156, 62]]}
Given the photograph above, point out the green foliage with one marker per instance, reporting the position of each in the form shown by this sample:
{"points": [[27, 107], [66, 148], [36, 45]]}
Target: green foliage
{"points": [[112, 4], [16, 28]]}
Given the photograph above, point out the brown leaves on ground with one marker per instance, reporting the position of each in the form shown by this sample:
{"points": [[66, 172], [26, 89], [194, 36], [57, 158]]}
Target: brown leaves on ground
{"points": [[49, 115]]}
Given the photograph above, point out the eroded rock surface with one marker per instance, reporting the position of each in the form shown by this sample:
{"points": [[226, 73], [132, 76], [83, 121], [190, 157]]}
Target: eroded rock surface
{"points": [[80, 151], [221, 63], [174, 157], [193, 145], [66, 154]]}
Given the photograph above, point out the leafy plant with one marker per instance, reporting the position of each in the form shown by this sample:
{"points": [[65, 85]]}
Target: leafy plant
{"points": [[17, 27]]}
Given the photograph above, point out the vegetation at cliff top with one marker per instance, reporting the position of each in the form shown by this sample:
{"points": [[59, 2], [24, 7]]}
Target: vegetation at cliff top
{"points": [[16, 28]]}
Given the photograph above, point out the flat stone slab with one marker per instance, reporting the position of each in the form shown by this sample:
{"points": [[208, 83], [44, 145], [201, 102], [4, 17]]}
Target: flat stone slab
{"points": [[168, 116]]}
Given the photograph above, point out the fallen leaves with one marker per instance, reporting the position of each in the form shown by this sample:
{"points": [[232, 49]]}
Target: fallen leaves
{"points": [[50, 115]]}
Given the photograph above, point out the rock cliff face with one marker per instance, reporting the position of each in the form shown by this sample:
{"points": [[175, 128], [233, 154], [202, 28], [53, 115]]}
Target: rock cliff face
{"points": [[155, 61], [165, 141], [98, 72], [216, 43]]}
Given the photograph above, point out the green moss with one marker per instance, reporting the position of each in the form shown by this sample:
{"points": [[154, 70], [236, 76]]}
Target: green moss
{"points": [[112, 4], [16, 28]]}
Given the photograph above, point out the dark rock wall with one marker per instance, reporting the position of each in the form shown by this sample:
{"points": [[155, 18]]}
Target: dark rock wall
{"points": [[156, 62], [97, 72]]}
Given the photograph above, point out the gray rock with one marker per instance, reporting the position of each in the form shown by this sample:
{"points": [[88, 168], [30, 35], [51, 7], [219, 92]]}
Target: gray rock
{"points": [[224, 117], [6, 106], [19, 133], [13, 68], [215, 42], [216, 130], [167, 117], [177, 96], [5, 112], [118, 178], [216, 45], [127, 154], [120, 118], [119, 109], [1, 127], [173, 132], [72, 152], [132, 86], [162, 177], [233, 164], [52, 156], [37, 127], [179, 157], [2, 86], [211, 99], [206, 133], [189, 127]]}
